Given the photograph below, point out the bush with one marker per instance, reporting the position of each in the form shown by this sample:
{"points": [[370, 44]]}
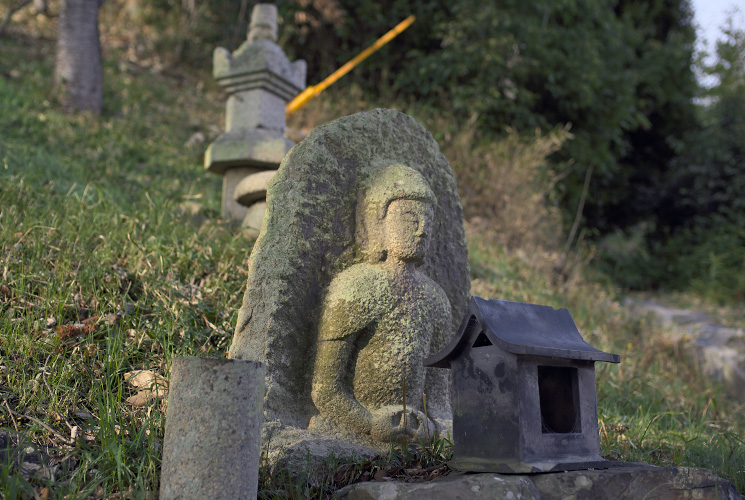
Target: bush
{"points": [[707, 260]]}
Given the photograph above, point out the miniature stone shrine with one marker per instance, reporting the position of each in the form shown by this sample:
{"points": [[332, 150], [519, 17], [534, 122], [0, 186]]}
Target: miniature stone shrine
{"points": [[260, 80], [359, 268], [523, 390]]}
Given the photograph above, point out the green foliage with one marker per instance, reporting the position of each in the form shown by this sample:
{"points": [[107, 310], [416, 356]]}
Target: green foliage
{"points": [[96, 237], [706, 257], [729, 66], [172, 32], [605, 72], [617, 72], [709, 180], [624, 257], [328, 33], [709, 260], [695, 238]]}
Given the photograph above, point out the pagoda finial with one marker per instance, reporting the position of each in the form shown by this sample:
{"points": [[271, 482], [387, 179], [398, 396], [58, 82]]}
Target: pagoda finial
{"points": [[263, 22]]}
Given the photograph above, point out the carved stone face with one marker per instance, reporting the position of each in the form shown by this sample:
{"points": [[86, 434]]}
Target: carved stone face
{"points": [[407, 227]]}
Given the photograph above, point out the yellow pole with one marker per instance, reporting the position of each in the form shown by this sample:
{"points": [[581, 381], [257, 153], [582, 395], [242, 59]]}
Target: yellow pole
{"points": [[312, 91]]}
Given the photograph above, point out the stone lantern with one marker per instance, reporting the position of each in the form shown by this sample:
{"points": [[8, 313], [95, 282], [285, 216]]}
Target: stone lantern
{"points": [[523, 390], [259, 80]]}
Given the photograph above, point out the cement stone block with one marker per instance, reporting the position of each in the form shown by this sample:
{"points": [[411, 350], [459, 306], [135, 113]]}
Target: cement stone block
{"points": [[231, 209], [256, 109], [242, 70], [259, 80], [475, 487], [263, 149], [211, 447], [263, 22]]}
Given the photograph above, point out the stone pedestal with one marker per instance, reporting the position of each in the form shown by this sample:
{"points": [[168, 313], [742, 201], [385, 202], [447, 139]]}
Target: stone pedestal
{"points": [[212, 442], [625, 482], [260, 80]]}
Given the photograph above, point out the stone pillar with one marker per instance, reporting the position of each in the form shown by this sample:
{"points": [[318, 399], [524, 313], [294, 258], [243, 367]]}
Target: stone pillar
{"points": [[259, 80], [211, 447]]}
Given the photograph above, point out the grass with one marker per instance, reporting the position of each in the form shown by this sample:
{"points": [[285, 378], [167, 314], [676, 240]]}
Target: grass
{"points": [[113, 258]]}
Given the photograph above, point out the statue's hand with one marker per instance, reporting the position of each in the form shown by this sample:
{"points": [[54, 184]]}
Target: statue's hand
{"points": [[389, 423]]}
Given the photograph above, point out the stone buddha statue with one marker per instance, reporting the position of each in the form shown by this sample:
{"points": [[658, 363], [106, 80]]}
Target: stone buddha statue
{"points": [[379, 317], [359, 272]]}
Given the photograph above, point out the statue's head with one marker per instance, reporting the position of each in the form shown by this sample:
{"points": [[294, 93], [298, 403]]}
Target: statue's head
{"points": [[394, 214]]}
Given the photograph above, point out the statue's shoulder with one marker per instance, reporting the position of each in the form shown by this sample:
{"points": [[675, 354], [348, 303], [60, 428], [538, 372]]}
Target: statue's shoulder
{"points": [[355, 298], [434, 286], [357, 282]]}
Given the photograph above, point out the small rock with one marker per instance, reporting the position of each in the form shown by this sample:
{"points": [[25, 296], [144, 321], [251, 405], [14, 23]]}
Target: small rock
{"points": [[83, 414], [196, 139], [51, 322]]}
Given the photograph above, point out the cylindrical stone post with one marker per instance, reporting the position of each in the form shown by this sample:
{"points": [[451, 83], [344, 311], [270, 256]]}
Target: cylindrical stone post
{"points": [[213, 429]]}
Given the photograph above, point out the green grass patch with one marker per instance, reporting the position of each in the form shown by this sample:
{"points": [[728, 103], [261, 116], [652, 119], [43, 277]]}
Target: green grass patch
{"points": [[114, 259]]}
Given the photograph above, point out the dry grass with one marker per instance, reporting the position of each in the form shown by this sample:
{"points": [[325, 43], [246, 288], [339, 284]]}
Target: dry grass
{"points": [[505, 186]]}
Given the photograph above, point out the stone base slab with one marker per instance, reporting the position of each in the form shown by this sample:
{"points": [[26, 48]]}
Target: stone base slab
{"points": [[621, 482], [305, 454]]}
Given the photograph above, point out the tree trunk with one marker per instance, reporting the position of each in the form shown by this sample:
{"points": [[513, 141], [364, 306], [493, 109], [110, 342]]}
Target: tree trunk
{"points": [[10, 13], [78, 72]]}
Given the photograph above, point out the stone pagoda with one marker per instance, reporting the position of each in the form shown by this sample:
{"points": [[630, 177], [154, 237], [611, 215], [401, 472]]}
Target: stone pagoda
{"points": [[260, 80]]}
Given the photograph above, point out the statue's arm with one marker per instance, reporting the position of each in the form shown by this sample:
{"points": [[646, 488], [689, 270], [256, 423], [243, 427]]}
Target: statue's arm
{"points": [[346, 314], [330, 393], [443, 329]]}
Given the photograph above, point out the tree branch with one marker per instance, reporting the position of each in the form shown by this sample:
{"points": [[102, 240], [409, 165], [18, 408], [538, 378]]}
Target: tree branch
{"points": [[580, 209], [10, 13]]}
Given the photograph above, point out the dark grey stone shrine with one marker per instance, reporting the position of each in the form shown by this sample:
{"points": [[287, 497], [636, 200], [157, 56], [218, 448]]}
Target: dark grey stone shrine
{"points": [[523, 390]]}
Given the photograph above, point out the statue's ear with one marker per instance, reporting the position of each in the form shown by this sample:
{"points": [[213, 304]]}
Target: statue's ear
{"points": [[369, 241], [368, 234]]}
